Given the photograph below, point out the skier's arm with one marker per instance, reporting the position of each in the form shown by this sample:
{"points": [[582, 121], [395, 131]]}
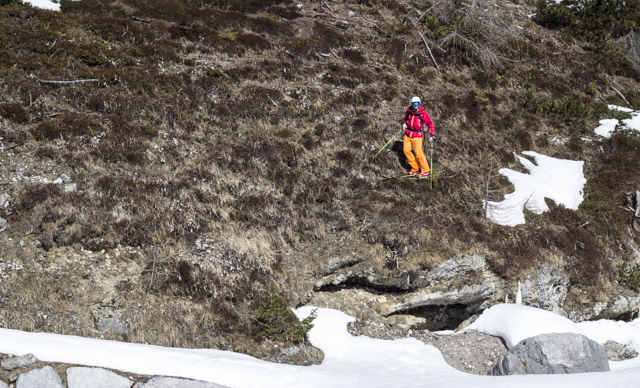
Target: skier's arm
{"points": [[427, 120]]}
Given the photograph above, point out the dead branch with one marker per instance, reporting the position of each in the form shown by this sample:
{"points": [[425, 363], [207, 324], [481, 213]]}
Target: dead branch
{"points": [[511, 60], [67, 82], [409, 19], [274, 103], [13, 146], [620, 94], [428, 49], [137, 19]]}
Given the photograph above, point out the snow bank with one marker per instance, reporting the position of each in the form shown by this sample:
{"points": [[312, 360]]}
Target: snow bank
{"points": [[350, 362], [607, 126], [558, 179], [626, 333], [514, 323], [44, 4]]}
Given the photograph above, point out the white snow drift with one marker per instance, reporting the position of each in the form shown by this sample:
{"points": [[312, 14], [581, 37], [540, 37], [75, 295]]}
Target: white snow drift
{"points": [[558, 179], [349, 361]]}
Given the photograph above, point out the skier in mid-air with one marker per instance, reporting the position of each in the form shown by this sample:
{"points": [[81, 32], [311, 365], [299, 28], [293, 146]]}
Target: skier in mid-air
{"points": [[415, 120]]}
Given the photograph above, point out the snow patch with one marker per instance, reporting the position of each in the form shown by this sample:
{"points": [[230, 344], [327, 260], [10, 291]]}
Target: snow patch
{"points": [[558, 179], [608, 126], [45, 4]]}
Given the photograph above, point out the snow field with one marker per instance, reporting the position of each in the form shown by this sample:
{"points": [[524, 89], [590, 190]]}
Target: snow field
{"points": [[349, 361]]}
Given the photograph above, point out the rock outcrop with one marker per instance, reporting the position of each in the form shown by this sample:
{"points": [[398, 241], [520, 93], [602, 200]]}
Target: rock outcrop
{"points": [[553, 354]]}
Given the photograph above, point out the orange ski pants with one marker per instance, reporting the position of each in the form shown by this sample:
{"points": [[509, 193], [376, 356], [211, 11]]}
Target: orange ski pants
{"points": [[416, 143]]}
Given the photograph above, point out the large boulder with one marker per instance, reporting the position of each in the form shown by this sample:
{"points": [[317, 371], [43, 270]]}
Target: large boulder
{"points": [[40, 378], [553, 354], [81, 377]]}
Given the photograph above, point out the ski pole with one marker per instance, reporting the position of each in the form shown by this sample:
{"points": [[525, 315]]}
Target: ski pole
{"points": [[385, 146], [432, 172]]}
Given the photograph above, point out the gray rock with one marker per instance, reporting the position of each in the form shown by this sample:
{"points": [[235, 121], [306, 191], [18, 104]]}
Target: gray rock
{"points": [[3, 384], [40, 378], [553, 354], [108, 317], [171, 382], [619, 352], [3, 223], [13, 376], [12, 363], [71, 188], [114, 324], [337, 263], [80, 377], [4, 200], [65, 178], [546, 288], [624, 307]]}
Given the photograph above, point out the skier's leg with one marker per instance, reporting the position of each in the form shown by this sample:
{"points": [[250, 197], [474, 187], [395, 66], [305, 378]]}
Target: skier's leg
{"points": [[411, 159], [422, 159]]}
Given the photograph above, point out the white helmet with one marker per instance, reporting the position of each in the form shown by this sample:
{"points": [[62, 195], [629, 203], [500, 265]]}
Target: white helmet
{"points": [[415, 101]]}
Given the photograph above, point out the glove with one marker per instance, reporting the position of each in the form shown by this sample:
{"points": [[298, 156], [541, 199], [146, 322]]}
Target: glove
{"points": [[433, 137], [404, 126]]}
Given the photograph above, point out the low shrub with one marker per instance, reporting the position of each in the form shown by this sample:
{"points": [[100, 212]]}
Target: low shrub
{"points": [[37, 193], [574, 108], [554, 15], [629, 276], [331, 36], [308, 47], [254, 41], [228, 35], [289, 12], [66, 126], [9, 2], [14, 112], [354, 56]]}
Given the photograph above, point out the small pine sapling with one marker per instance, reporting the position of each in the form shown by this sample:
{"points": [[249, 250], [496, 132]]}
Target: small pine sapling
{"points": [[277, 321]]}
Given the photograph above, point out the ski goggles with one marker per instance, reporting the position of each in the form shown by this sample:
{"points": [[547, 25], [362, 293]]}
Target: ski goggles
{"points": [[415, 103]]}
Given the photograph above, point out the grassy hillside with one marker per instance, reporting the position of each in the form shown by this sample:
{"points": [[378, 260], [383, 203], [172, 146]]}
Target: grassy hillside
{"points": [[228, 145]]}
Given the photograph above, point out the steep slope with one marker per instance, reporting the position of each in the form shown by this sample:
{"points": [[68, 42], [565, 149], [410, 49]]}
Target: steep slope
{"points": [[228, 145]]}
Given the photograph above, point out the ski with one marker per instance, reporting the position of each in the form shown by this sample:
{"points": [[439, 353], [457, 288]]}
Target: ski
{"points": [[414, 176], [409, 176]]}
